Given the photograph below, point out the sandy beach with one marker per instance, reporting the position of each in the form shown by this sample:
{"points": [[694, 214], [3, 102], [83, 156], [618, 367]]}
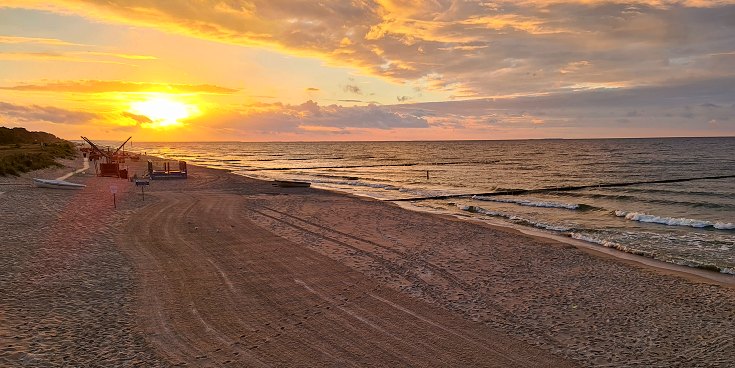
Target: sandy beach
{"points": [[222, 270]]}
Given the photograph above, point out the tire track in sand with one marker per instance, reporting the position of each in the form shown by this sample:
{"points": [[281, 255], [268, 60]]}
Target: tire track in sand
{"points": [[217, 290]]}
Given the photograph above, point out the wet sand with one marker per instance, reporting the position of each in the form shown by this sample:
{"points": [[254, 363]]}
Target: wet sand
{"points": [[220, 270]]}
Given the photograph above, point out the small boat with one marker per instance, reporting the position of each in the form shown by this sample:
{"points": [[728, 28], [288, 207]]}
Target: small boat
{"points": [[291, 184], [57, 184]]}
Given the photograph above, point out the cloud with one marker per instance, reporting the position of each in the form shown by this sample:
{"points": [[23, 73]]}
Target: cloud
{"points": [[684, 107], [35, 40], [310, 117], [35, 113], [54, 56], [116, 55], [138, 119], [349, 88], [570, 66], [468, 48], [97, 86]]}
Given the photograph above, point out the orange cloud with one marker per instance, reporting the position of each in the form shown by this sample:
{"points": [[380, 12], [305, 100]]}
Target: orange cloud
{"points": [[35, 40], [97, 86], [53, 56], [117, 55]]}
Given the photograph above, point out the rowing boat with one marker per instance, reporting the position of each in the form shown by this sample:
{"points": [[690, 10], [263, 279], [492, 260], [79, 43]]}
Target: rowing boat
{"points": [[57, 184], [291, 184]]}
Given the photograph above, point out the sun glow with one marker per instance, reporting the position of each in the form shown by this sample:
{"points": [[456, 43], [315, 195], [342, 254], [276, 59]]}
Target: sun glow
{"points": [[163, 111]]}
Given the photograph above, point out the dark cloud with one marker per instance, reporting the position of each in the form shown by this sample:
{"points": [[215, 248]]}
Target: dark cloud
{"points": [[50, 114], [350, 88], [685, 106], [312, 89]]}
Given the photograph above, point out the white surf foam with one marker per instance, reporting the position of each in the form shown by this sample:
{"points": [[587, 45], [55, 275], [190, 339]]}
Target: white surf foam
{"points": [[673, 221]]}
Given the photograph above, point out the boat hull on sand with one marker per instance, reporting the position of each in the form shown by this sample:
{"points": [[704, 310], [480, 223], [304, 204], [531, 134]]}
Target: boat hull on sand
{"points": [[291, 184], [56, 184]]}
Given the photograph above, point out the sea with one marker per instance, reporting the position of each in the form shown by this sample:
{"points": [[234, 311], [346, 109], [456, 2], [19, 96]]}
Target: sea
{"points": [[690, 223]]}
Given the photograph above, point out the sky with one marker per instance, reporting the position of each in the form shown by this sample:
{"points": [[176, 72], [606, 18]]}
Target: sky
{"points": [[345, 70]]}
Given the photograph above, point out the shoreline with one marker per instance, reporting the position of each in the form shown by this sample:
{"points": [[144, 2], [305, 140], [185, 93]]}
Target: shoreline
{"points": [[486, 273], [691, 272]]}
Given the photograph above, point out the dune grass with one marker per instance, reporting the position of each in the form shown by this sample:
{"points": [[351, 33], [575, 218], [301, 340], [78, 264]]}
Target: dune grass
{"points": [[19, 158]]}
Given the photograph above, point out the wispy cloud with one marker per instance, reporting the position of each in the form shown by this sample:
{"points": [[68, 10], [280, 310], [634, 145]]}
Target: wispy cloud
{"points": [[13, 40], [54, 56], [116, 55], [97, 86]]}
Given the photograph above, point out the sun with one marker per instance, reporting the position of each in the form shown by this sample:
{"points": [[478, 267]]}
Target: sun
{"points": [[164, 112]]}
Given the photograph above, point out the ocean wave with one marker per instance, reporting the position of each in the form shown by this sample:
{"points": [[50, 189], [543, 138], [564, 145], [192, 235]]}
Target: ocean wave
{"points": [[676, 192], [531, 203], [673, 221], [514, 218], [649, 254], [613, 245], [356, 183], [701, 265], [428, 193]]}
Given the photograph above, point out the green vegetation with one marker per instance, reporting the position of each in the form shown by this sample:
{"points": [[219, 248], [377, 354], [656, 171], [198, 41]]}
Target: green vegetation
{"points": [[21, 136], [22, 151]]}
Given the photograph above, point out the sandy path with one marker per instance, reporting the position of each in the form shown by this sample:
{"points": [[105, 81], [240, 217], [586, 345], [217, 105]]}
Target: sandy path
{"points": [[219, 290]]}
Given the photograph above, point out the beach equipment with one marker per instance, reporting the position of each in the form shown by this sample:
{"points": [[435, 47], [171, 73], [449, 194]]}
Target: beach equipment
{"points": [[162, 170], [291, 184], [113, 159], [56, 184], [142, 183]]}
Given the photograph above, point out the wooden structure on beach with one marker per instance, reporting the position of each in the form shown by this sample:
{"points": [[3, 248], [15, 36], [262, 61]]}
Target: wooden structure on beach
{"points": [[163, 170], [112, 159]]}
